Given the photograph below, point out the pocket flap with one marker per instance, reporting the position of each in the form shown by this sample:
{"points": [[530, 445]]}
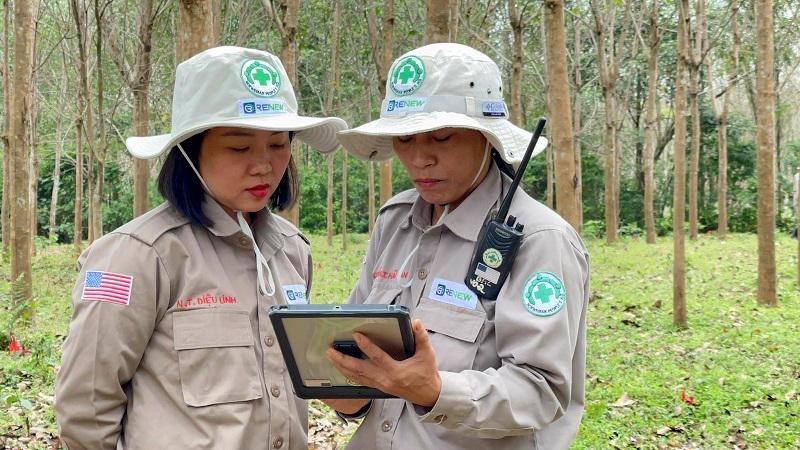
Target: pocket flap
{"points": [[453, 321], [382, 296], [214, 327]]}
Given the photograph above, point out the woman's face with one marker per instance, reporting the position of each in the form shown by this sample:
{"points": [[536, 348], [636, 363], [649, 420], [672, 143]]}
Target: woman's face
{"points": [[243, 167], [443, 163]]}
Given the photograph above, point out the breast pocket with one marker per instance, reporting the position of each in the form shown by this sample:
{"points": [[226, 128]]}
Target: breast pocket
{"points": [[216, 358], [454, 332], [383, 295]]}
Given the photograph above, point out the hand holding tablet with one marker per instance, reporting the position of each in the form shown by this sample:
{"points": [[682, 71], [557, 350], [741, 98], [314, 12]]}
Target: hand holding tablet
{"points": [[306, 332]]}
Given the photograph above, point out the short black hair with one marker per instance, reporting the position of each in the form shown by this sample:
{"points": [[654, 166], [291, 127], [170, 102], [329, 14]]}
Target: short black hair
{"points": [[179, 185]]}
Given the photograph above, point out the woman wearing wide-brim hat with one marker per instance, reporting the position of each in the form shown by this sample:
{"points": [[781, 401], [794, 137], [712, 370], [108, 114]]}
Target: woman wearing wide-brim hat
{"points": [[170, 345], [502, 373]]}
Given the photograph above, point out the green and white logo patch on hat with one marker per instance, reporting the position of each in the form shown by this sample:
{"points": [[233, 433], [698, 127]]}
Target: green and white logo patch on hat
{"points": [[407, 76], [260, 78], [544, 294]]}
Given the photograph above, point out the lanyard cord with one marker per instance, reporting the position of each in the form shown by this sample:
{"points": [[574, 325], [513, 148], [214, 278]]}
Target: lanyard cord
{"points": [[261, 261]]}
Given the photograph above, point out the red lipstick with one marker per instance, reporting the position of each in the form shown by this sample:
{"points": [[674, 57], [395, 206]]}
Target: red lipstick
{"points": [[259, 191]]}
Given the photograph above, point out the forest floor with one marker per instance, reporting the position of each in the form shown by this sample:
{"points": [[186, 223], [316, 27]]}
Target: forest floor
{"points": [[731, 380]]}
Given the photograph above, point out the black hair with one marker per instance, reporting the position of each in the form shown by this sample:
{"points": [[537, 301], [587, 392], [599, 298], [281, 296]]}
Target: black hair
{"points": [[179, 185]]}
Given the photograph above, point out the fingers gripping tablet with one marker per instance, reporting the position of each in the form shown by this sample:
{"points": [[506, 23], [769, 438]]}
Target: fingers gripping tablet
{"points": [[306, 332]]}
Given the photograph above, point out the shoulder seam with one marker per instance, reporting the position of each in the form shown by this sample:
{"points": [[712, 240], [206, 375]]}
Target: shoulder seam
{"points": [[407, 197], [558, 230]]}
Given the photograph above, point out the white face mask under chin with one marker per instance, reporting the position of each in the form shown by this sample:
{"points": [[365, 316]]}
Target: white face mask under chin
{"points": [[264, 287]]}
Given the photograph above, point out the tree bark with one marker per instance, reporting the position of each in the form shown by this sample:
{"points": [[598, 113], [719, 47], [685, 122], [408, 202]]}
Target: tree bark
{"points": [[329, 208], [765, 149], [8, 98], [679, 192], [697, 54], [453, 20], [371, 194], [721, 116], [24, 36], [56, 175], [370, 167], [333, 78], [344, 199], [383, 57], [437, 26], [101, 142], [77, 235], [33, 182], [651, 118], [59, 150], [797, 220], [195, 31], [560, 111], [141, 106], [286, 19], [609, 72], [576, 123], [85, 120], [388, 56], [549, 191], [515, 17]]}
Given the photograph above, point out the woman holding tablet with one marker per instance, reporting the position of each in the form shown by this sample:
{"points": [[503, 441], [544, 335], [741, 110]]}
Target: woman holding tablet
{"points": [[501, 373], [170, 345]]}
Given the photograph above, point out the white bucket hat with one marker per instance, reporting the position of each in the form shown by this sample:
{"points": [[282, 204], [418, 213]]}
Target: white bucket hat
{"points": [[235, 87], [440, 86]]}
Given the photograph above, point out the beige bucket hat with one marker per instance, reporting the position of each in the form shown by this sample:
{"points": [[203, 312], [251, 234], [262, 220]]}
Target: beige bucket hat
{"points": [[439, 86], [236, 87]]}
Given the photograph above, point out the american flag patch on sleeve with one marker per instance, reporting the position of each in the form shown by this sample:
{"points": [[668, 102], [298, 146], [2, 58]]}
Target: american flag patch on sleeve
{"points": [[107, 287]]}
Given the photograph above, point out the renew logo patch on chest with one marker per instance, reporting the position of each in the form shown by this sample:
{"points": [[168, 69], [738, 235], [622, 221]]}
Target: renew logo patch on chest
{"points": [[452, 293]]}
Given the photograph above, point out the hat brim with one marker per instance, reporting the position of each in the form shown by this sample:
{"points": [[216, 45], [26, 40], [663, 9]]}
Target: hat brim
{"points": [[317, 132], [373, 140]]}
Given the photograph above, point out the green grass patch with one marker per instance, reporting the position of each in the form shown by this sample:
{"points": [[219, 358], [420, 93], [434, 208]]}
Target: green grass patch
{"points": [[740, 362]]}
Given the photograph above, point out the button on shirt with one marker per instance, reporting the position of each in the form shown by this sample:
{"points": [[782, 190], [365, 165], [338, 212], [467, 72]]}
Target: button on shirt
{"points": [[511, 379], [190, 361]]}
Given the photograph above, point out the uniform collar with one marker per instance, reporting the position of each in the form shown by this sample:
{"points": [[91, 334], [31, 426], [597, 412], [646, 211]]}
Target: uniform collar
{"points": [[466, 220], [265, 228], [222, 225]]}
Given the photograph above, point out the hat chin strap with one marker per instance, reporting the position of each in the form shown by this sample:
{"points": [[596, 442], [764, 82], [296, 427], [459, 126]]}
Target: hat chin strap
{"points": [[261, 261], [486, 154], [267, 288]]}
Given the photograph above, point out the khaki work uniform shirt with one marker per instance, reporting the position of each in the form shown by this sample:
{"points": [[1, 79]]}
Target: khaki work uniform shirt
{"points": [[191, 361], [511, 379]]}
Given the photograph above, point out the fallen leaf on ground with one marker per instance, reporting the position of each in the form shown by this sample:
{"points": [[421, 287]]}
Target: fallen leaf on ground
{"points": [[623, 401]]}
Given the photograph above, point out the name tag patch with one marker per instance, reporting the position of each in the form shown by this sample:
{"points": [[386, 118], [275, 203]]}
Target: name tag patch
{"points": [[295, 294], [452, 293], [494, 109]]}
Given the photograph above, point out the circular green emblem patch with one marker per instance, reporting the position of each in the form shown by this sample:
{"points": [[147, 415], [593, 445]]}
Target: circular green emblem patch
{"points": [[260, 78], [492, 257], [407, 75], [544, 294]]}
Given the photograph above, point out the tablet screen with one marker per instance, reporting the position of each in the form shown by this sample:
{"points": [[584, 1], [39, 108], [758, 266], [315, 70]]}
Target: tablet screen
{"points": [[310, 338]]}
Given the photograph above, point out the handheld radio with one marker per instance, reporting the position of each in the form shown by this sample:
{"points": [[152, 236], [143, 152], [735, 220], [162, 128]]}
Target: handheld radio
{"points": [[499, 239]]}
